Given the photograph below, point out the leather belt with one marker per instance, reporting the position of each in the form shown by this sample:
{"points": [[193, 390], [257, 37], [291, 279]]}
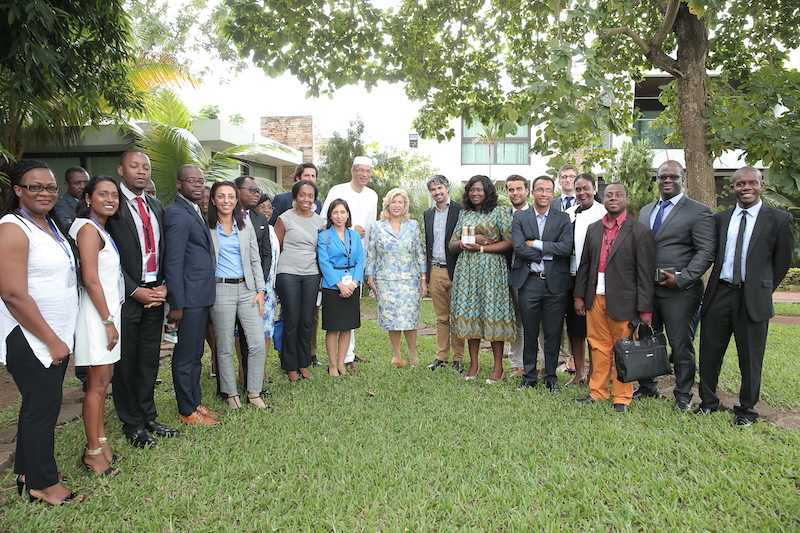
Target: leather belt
{"points": [[229, 280], [540, 275], [733, 286], [440, 265]]}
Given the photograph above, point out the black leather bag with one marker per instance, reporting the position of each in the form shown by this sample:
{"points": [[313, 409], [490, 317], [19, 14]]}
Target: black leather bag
{"points": [[642, 355]]}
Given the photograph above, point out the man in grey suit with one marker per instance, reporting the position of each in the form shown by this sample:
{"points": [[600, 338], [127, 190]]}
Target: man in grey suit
{"points": [[754, 251], [566, 181], [542, 239], [685, 237], [75, 178]]}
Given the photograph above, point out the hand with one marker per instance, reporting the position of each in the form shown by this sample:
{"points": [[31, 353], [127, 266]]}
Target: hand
{"points": [[475, 247], [175, 315], [113, 336], [360, 230], [483, 240], [372, 287], [670, 282], [647, 320], [423, 287], [259, 301], [58, 351], [580, 308], [150, 297], [345, 291]]}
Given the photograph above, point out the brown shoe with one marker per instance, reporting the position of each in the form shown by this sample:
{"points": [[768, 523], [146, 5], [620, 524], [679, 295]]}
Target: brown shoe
{"points": [[351, 367], [205, 411], [197, 418], [358, 359], [517, 372]]}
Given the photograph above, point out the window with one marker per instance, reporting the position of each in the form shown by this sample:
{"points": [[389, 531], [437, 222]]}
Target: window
{"points": [[512, 149]]}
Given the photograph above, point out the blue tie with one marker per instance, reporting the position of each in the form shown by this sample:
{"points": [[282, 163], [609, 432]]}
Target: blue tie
{"points": [[659, 216], [567, 202]]}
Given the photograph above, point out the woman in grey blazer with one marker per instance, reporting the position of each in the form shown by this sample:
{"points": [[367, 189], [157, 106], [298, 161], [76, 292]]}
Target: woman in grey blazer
{"points": [[240, 292]]}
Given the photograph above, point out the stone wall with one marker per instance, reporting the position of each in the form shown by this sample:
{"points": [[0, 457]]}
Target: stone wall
{"points": [[296, 132]]}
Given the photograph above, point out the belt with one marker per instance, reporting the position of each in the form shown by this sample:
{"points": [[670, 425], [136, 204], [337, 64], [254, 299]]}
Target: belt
{"points": [[348, 267], [440, 265], [229, 280], [540, 275], [733, 286], [150, 285]]}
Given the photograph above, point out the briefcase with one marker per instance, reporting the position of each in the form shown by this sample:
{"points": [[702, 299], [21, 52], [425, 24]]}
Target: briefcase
{"points": [[642, 355]]}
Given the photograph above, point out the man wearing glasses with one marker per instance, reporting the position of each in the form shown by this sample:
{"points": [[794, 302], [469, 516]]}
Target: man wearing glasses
{"points": [[685, 237], [566, 181], [75, 178]]}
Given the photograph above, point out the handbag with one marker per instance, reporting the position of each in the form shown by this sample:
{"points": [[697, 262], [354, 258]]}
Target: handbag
{"points": [[642, 355], [277, 335]]}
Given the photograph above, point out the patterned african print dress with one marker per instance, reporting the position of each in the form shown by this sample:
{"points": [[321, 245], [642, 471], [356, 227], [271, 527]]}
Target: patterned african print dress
{"points": [[481, 305]]}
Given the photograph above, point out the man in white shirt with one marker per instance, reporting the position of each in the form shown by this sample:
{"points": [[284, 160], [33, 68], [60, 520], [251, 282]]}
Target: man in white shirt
{"points": [[566, 181], [518, 193]]}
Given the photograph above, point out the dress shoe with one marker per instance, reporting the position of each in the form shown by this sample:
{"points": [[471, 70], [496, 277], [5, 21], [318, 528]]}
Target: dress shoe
{"points": [[741, 422], [586, 400], [552, 386], [197, 418], [526, 385], [351, 366], [491, 381], [401, 362], [142, 439], [315, 361], [458, 366], [436, 364], [358, 359], [516, 372], [621, 408], [205, 411], [156, 428], [639, 394], [703, 411], [682, 406]]}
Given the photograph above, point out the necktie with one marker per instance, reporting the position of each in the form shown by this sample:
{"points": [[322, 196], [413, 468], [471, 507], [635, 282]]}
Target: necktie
{"points": [[659, 216], [567, 202], [737, 257], [244, 214], [149, 240]]}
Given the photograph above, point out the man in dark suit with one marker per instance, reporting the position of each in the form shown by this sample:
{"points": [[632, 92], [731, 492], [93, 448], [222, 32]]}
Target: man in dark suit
{"points": [[75, 178], [685, 237], [140, 240], [613, 286], [566, 181], [189, 273], [542, 239], [283, 202], [754, 251], [440, 220], [249, 195]]}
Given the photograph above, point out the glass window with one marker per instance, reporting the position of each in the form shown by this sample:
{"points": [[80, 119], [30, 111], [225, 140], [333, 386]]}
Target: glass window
{"points": [[512, 149]]}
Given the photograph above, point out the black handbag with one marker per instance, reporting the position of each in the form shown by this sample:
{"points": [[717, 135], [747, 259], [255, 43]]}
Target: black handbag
{"points": [[642, 355]]}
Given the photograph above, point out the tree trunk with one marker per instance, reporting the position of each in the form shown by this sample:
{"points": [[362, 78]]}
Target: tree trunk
{"points": [[692, 38]]}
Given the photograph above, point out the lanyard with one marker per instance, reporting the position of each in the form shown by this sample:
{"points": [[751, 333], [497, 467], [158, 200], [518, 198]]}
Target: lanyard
{"points": [[110, 238], [56, 236]]}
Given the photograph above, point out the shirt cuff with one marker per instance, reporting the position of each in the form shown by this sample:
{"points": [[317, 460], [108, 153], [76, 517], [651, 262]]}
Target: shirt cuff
{"points": [[537, 244], [648, 315], [578, 299]]}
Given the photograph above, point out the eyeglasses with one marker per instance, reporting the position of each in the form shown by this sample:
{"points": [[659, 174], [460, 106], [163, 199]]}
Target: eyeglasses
{"points": [[540, 191], [363, 170], [253, 190], [567, 176], [671, 177], [192, 181], [40, 188]]}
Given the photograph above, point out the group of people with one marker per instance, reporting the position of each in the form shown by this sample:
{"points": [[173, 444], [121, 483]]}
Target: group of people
{"points": [[89, 274]]}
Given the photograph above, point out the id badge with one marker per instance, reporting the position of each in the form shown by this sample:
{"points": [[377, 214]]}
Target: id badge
{"points": [[601, 283], [347, 279], [72, 279]]}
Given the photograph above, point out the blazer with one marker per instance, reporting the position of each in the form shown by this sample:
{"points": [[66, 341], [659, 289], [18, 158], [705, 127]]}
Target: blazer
{"points": [[331, 254], [251, 259], [629, 270], [189, 263], [395, 257], [768, 258], [130, 250], [283, 202], [557, 241], [686, 241], [261, 227], [65, 210], [556, 202], [452, 218]]}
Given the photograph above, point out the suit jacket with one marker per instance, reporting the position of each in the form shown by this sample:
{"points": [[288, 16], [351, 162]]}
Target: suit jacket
{"points": [[189, 264], [283, 202], [768, 258], [331, 253], [261, 227], [629, 270], [65, 209], [251, 258], [686, 240], [452, 218], [556, 241], [130, 250], [556, 202]]}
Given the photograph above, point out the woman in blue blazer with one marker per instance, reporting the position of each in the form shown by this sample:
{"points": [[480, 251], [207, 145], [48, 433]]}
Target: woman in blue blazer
{"points": [[341, 261]]}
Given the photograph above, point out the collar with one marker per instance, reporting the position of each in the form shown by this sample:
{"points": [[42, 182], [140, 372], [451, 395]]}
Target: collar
{"points": [[446, 206], [674, 200], [618, 222], [752, 210], [129, 194], [523, 208]]}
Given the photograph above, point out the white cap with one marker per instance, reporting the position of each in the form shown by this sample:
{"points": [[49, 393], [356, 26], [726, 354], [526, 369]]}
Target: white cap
{"points": [[362, 160]]}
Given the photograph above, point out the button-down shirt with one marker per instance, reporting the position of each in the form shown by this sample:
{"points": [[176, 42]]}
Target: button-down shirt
{"points": [[194, 206], [672, 202], [229, 264], [609, 236], [133, 208], [439, 238], [541, 221], [726, 272], [564, 205]]}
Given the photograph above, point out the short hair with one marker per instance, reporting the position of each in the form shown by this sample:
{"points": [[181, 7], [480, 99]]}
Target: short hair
{"points": [[567, 167], [747, 169], [545, 177], [15, 177], [212, 209], [263, 198], [489, 190], [627, 193], [131, 151], [71, 170], [683, 171], [438, 179], [301, 167], [82, 210], [298, 184], [517, 177], [335, 203], [588, 177], [240, 180], [397, 191]]}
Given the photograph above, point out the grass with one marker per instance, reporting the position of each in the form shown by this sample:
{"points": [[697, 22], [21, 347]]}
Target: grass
{"points": [[787, 309], [406, 449]]}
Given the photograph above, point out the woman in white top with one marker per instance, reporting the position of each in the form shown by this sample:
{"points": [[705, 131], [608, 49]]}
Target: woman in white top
{"points": [[97, 338], [39, 294]]}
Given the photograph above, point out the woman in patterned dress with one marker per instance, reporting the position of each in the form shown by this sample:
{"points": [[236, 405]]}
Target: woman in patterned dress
{"points": [[395, 271], [270, 298], [481, 305]]}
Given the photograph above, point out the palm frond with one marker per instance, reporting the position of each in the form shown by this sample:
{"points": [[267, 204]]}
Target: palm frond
{"points": [[157, 69]]}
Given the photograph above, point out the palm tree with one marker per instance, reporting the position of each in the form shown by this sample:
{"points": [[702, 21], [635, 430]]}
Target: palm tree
{"points": [[491, 132]]}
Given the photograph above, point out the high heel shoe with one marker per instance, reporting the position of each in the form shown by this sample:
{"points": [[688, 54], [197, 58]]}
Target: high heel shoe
{"points": [[114, 457], [20, 484], [234, 402], [401, 362], [331, 370], [73, 497], [491, 381], [108, 472], [468, 377], [258, 402]]}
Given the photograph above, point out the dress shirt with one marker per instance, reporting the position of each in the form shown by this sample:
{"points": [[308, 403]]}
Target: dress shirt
{"points": [[513, 211], [726, 272], [541, 220], [194, 206], [439, 238], [229, 264], [672, 203], [133, 209], [609, 236], [572, 201]]}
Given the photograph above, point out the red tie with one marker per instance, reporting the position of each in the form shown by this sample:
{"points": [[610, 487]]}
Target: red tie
{"points": [[149, 241]]}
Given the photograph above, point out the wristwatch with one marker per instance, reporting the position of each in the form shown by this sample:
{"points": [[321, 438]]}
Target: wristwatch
{"points": [[109, 320]]}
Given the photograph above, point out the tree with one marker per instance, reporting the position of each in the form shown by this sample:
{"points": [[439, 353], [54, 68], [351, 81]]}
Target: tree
{"points": [[337, 156], [632, 168], [531, 62], [236, 119], [208, 112]]}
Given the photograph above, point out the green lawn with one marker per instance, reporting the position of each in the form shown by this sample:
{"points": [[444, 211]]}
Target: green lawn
{"points": [[405, 449], [787, 309]]}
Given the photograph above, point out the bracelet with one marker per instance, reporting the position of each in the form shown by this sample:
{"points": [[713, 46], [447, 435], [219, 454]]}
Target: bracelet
{"points": [[481, 248]]}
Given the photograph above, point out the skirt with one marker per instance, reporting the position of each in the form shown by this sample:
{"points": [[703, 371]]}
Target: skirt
{"points": [[341, 314]]}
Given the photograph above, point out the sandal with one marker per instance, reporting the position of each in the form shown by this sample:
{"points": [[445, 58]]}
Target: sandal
{"points": [[108, 472], [114, 457], [73, 497], [255, 399], [234, 402]]}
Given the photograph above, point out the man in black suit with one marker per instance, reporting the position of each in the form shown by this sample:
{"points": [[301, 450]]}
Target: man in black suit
{"points": [[140, 240], [613, 286], [440, 220], [189, 272], [542, 239], [249, 195], [75, 178], [283, 202], [754, 251], [566, 181], [685, 237]]}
